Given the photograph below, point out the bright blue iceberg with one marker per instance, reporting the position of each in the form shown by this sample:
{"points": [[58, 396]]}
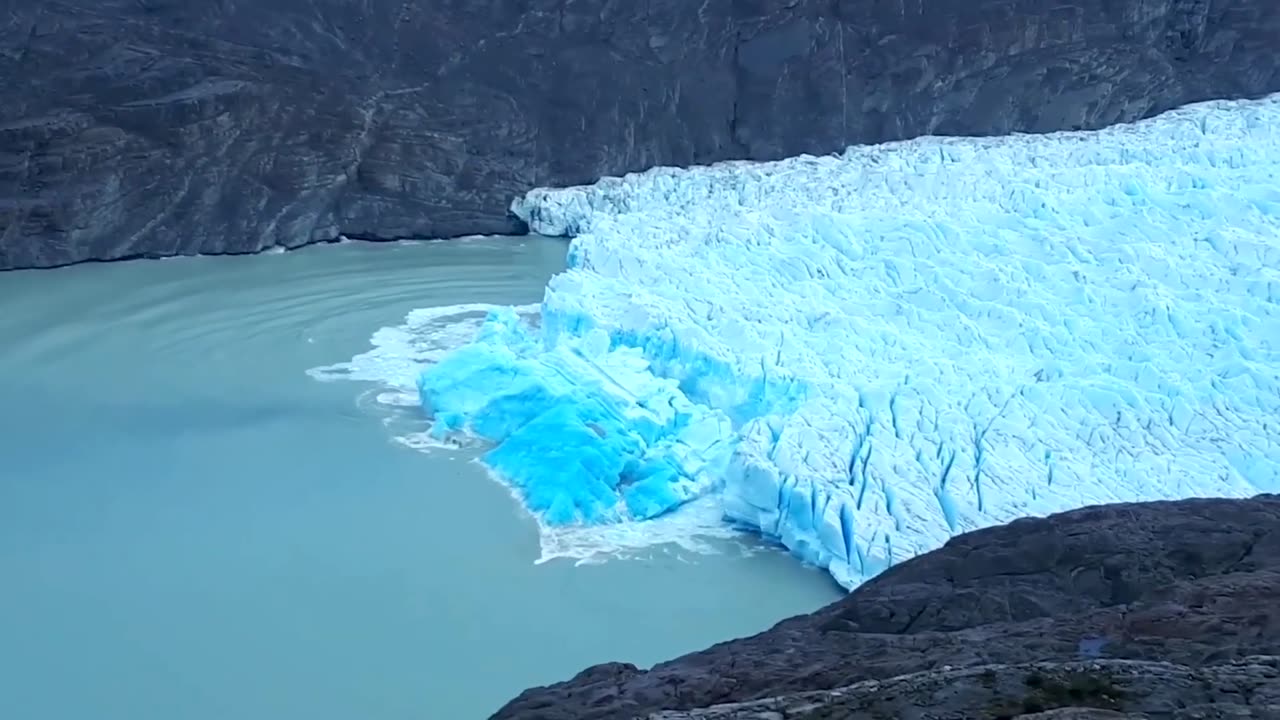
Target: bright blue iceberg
{"points": [[862, 355], [585, 432]]}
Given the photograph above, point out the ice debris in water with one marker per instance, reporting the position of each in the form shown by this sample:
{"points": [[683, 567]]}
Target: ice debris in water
{"points": [[862, 355]]}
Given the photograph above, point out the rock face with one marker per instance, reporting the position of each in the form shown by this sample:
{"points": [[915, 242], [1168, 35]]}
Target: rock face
{"points": [[1141, 610], [1247, 688], [158, 127]]}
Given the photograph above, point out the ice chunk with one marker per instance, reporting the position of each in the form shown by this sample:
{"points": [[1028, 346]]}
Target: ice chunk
{"points": [[585, 432], [867, 353]]}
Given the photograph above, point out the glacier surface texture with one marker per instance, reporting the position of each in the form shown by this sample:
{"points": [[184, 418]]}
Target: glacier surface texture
{"points": [[862, 355]]}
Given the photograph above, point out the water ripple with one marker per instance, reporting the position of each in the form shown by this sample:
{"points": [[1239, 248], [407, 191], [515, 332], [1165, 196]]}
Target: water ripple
{"points": [[189, 310]]}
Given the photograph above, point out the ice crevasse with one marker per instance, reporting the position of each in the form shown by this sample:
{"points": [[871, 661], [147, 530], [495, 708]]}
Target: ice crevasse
{"points": [[862, 355]]}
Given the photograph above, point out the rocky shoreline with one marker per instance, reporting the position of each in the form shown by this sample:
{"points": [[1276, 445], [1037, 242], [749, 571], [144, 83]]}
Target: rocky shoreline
{"points": [[1167, 610], [1103, 689]]}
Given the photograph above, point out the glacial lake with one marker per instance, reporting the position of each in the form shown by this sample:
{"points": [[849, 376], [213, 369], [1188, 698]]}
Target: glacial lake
{"points": [[205, 515]]}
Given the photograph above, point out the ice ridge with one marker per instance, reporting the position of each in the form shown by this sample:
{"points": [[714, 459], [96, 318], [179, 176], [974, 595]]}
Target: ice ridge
{"points": [[865, 354]]}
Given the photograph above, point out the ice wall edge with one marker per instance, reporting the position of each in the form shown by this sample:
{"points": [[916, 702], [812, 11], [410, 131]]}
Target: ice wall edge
{"points": [[912, 340]]}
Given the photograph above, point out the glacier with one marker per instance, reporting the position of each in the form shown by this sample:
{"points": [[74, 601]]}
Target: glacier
{"points": [[861, 355]]}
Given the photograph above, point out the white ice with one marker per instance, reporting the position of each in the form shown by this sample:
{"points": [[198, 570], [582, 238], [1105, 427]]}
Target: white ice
{"points": [[863, 355]]}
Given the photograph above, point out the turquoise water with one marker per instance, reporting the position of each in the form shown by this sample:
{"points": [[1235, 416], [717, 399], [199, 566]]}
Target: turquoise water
{"points": [[193, 526]]}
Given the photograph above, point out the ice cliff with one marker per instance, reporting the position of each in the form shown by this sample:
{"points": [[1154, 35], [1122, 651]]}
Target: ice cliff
{"points": [[862, 355]]}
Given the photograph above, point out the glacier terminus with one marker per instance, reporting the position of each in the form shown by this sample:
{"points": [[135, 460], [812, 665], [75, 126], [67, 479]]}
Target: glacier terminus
{"points": [[862, 355]]}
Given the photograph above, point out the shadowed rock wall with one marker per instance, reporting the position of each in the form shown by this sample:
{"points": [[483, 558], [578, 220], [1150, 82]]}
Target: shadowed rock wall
{"points": [[158, 127], [1155, 609]]}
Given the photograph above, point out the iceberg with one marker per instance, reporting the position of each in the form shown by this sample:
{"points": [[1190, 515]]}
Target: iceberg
{"points": [[862, 355]]}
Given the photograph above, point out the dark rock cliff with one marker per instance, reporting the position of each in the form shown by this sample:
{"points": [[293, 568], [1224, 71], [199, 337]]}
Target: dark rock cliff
{"points": [[157, 127], [1144, 609], [1078, 690]]}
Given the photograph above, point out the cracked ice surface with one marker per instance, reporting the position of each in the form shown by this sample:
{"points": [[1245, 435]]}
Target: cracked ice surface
{"points": [[863, 355]]}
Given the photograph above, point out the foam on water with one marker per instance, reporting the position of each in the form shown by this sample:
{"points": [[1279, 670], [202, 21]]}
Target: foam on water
{"points": [[400, 353], [862, 355], [696, 527]]}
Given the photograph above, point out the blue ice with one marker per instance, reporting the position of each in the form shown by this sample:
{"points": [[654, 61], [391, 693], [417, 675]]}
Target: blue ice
{"points": [[862, 355], [586, 432]]}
